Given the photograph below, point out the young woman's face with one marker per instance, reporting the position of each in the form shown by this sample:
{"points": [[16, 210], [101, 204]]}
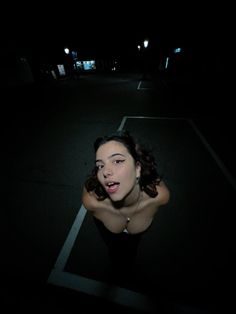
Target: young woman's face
{"points": [[117, 170]]}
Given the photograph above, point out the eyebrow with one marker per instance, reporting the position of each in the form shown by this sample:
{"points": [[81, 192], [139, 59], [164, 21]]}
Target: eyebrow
{"points": [[112, 155]]}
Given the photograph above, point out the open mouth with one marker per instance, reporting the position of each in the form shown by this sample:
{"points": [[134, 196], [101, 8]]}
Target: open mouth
{"points": [[112, 187]]}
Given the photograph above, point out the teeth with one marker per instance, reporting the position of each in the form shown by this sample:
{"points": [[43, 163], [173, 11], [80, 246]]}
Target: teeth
{"points": [[111, 183]]}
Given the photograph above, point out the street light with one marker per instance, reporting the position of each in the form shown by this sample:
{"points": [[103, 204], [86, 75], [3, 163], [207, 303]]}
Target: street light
{"points": [[67, 51], [145, 43]]}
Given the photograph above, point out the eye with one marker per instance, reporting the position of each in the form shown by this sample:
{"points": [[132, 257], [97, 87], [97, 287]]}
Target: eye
{"points": [[99, 167], [119, 161]]}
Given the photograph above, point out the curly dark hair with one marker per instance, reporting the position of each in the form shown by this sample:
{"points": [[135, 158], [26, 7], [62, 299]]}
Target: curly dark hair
{"points": [[149, 177]]}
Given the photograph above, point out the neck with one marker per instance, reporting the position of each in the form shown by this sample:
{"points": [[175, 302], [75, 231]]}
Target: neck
{"points": [[131, 199]]}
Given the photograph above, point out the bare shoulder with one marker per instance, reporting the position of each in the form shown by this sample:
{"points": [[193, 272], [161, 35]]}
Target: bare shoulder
{"points": [[163, 194]]}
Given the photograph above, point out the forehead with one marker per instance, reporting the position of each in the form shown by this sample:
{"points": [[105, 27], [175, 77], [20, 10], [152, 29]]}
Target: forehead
{"points": [[112, 147]]}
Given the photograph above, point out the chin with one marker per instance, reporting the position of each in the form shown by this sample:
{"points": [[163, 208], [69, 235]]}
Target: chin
{"points": [[115, 198]]}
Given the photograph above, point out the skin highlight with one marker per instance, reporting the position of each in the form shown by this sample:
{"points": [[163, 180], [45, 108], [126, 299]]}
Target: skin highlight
{"points": [[124, 190]]}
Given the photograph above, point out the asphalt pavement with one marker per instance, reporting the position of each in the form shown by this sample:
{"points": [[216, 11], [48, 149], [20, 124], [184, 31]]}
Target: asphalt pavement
{"points": [[48, 131]]}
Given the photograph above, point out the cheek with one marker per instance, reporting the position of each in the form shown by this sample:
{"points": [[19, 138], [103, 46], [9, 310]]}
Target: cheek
{"points": [[130, 175], [99, 176]]}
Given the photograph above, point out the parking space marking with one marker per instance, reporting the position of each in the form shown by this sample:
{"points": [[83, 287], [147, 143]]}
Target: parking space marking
{"points": [[92, 287]]}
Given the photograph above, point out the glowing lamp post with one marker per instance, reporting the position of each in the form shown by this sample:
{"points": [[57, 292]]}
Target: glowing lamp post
{"points": [[67, 51], [145, 56], [145, 43]]}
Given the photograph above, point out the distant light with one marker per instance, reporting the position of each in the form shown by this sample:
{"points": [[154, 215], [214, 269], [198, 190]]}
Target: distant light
{"points": [[167, 61], [145, 43], [177, 50], [74, 54], [61, 69], [89, 65], [139, 47], [67, 50], [54, 74]]}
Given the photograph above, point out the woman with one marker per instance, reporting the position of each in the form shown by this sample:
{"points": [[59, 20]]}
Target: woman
{"points": [[123, 193]]}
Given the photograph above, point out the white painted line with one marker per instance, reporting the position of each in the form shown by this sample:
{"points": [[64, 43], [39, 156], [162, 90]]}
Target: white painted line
{"points": [[68, 245], [145, 117], [214, 155], [122, 123], [92, 287], [154, 118], [202, 138], [105, 291], [139, 84], [142, 88], [113, 293]]}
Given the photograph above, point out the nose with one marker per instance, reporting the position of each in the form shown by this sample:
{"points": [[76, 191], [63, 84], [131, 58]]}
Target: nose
{"points": [[107, 172]]}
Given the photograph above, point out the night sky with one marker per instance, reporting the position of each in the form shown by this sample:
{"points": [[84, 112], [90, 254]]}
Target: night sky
{"points": [[115, 28]]}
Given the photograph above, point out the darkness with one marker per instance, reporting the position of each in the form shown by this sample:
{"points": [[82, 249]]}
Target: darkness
{"points": [[40, 33], [112, 30]]}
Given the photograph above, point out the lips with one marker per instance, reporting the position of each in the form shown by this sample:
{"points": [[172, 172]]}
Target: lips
{"points": [[112, 187]]}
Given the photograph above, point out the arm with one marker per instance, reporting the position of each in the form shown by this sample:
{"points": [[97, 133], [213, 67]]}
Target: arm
{"points": [[163, 196], [89, 200]]}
